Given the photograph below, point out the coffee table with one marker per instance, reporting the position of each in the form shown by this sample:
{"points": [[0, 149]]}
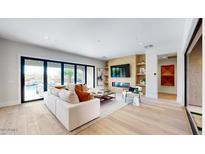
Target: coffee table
{"points": [[104, 96]]}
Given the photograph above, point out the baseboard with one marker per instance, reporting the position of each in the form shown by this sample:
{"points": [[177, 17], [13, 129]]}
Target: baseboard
{"points": [[151, 96], [10, 103]]}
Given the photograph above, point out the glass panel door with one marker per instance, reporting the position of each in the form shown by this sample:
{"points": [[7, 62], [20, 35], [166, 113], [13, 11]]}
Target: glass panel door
{"points": [[33, 80], [69, 73], [53, 74], [90, 77], [38, 75], [80, 74]]}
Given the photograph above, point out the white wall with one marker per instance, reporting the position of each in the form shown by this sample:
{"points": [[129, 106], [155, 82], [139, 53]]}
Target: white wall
{"points": [[151, 68], [151, 64], [167, 89], [10, 53], [151, 79]]}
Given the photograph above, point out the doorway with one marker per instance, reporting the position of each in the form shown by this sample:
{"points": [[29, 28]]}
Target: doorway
{"points": [[167, 77]]}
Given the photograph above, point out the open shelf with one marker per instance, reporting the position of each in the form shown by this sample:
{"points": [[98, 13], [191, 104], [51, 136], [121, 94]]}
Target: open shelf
{"points": [[140, 64], [140, 71], [106, 75], [141, 85]]}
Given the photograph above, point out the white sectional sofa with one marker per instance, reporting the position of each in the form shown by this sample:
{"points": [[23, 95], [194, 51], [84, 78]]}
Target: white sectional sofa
{"points": [[72, 115]]}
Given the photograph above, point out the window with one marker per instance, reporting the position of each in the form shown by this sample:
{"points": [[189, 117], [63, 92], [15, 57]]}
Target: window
{"points": [[33, 81], [90, 77], [38, 75], [80, 74], [54, 74], [69, 73]]}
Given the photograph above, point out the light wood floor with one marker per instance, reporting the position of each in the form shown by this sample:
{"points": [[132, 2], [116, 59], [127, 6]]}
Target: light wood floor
{"points": [[34, 118], [29, 118], [167, 96], [146, 119]]}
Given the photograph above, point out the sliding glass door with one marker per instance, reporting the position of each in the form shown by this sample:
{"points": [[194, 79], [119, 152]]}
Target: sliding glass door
{"points": [[90, 77], [38, 75], [53, 74], [69, 73], [80, 74], [33, 78]]}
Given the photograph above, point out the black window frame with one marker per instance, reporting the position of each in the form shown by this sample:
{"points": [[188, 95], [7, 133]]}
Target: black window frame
{"points": [[45, 62]]}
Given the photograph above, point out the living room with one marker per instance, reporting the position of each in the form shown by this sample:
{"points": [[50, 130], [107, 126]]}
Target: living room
{"points": [[80, 73], [102, 77]]}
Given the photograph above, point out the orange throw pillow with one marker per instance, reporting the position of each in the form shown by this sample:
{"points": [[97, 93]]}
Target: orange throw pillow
{"points": [[78, 87], [83, 96]]}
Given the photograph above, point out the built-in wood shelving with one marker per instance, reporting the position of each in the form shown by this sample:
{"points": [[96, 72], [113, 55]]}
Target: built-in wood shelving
{"points": [[141, 72], [106, 76]]}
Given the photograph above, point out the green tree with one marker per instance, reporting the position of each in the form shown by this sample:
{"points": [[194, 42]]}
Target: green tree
{"points": [[68, 73]]}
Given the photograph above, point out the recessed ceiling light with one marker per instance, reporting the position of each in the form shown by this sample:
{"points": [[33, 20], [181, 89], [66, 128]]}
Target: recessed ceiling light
{"points": [[148, 46], [45, 37], [140, 43]]}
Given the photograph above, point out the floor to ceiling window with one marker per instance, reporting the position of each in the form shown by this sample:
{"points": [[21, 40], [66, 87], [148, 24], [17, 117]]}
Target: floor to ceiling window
{"points": [[90, 77], [33, 87], [69, 73], [37, 75], [53, 74], [81, 74]]}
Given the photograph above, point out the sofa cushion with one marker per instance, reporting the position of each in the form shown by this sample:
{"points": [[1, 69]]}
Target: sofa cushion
{"points": [[78, 87], [54, 91], [83, 96], [84, 87], [69, 96], [81, 87], [71, 86]]}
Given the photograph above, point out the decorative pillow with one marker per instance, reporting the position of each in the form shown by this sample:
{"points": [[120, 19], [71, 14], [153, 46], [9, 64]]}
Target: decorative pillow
{"points": [[70, 86], [54, 91], [69, 96], [84, 87], [83, 96], [60, 87], [78, 87]]}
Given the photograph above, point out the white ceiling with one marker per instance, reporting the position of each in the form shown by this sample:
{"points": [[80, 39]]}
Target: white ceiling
{"points": [[97, 37]]}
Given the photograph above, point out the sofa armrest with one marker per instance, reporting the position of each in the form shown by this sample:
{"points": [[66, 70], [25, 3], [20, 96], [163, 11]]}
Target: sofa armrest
{"points": [[83, 112]]}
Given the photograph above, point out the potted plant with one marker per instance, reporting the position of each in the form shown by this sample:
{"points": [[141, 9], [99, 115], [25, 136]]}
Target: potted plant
{"points": [[142, 81]]}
